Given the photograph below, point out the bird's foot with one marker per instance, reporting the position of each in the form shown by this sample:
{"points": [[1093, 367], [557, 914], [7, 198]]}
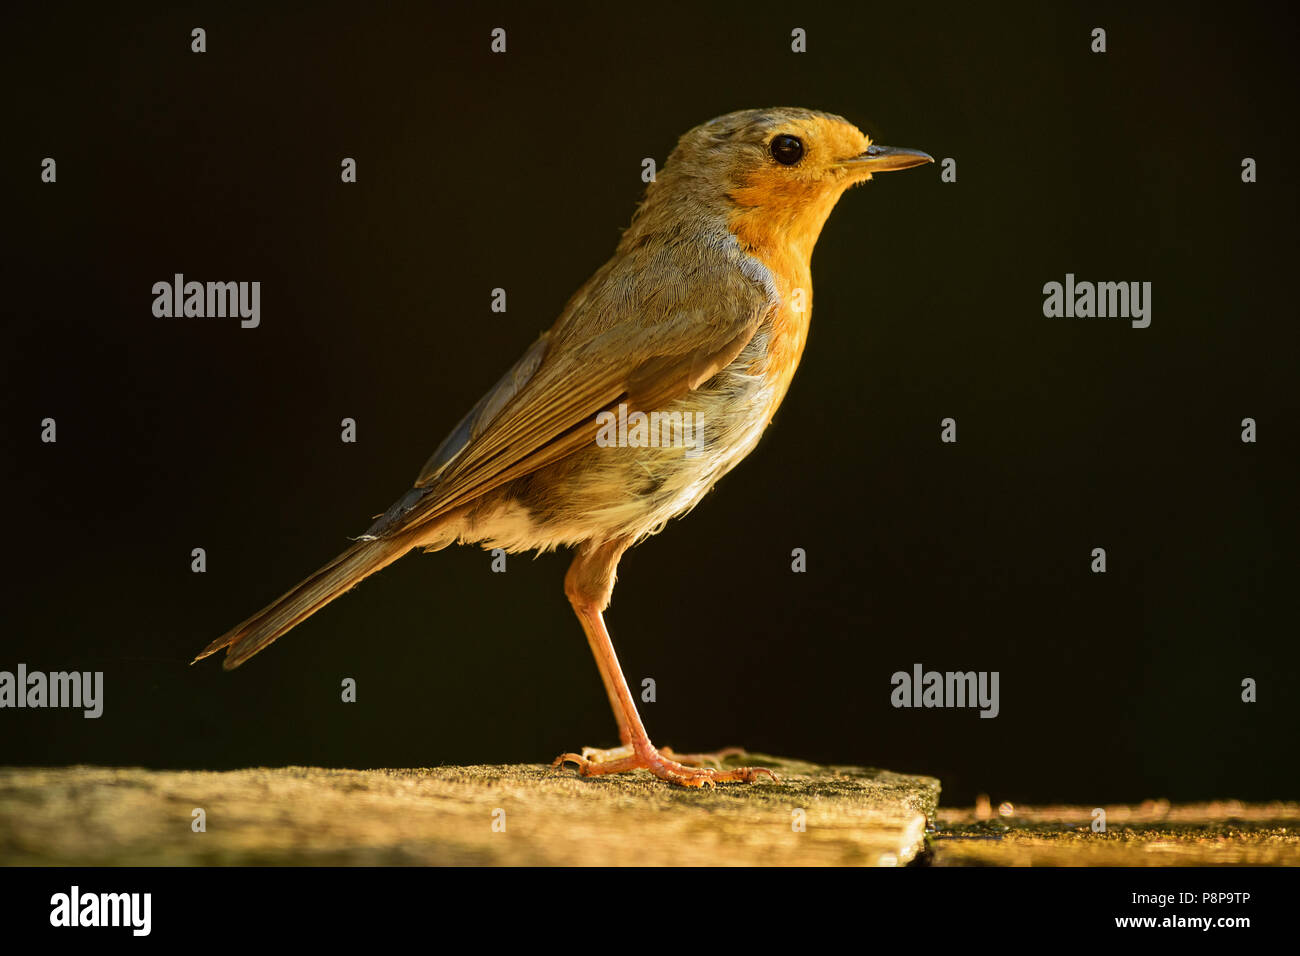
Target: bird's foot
{"points": [[685, 770], [598, 755], [714, 760]]}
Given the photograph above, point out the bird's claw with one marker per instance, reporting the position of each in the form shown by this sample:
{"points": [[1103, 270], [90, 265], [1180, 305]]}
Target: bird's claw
{"points": [[623, 759]]}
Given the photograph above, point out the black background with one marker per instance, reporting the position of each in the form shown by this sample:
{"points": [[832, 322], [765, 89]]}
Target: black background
{"points": [[519, 170]]}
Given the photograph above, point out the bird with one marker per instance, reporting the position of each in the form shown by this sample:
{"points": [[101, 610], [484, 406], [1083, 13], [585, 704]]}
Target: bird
{"points": [[696, 325]]}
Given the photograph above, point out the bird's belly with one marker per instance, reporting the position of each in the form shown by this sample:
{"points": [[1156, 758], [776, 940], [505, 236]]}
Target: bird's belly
{"points": [[628, 487]]}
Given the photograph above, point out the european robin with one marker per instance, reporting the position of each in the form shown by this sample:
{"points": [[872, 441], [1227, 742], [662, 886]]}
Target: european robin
{"points": [[658, 377]]}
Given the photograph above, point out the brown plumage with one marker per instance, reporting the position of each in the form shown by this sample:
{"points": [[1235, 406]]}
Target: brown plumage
{"points": [[701, 314]]}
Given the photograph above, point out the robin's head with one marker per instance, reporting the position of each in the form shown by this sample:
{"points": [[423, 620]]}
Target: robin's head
{"points": [[775, 173]]}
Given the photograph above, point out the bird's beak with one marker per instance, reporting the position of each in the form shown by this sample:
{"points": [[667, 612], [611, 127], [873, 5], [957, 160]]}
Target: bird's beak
{"points": [[885, 159]]}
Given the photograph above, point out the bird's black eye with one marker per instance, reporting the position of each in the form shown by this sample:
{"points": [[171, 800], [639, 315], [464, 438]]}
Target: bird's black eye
{"points": [[787, 150]]}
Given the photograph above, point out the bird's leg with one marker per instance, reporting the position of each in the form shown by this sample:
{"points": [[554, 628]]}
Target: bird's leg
{"points": [[597, 754], [588, 585]]}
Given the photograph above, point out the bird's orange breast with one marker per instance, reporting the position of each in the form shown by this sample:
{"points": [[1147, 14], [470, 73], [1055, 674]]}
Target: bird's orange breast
{"points": [[784, 256]]}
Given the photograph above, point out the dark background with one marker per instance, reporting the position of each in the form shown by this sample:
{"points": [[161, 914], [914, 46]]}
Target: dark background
{"points": [[478, 171]]}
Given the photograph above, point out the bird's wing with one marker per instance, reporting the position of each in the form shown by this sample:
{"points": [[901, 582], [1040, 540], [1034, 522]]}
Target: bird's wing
{"points": [[482, 414], [546, 406]]}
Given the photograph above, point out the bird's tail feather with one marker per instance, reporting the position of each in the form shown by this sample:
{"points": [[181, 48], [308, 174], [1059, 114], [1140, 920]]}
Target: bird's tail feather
{"points": [[292, 608]]}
